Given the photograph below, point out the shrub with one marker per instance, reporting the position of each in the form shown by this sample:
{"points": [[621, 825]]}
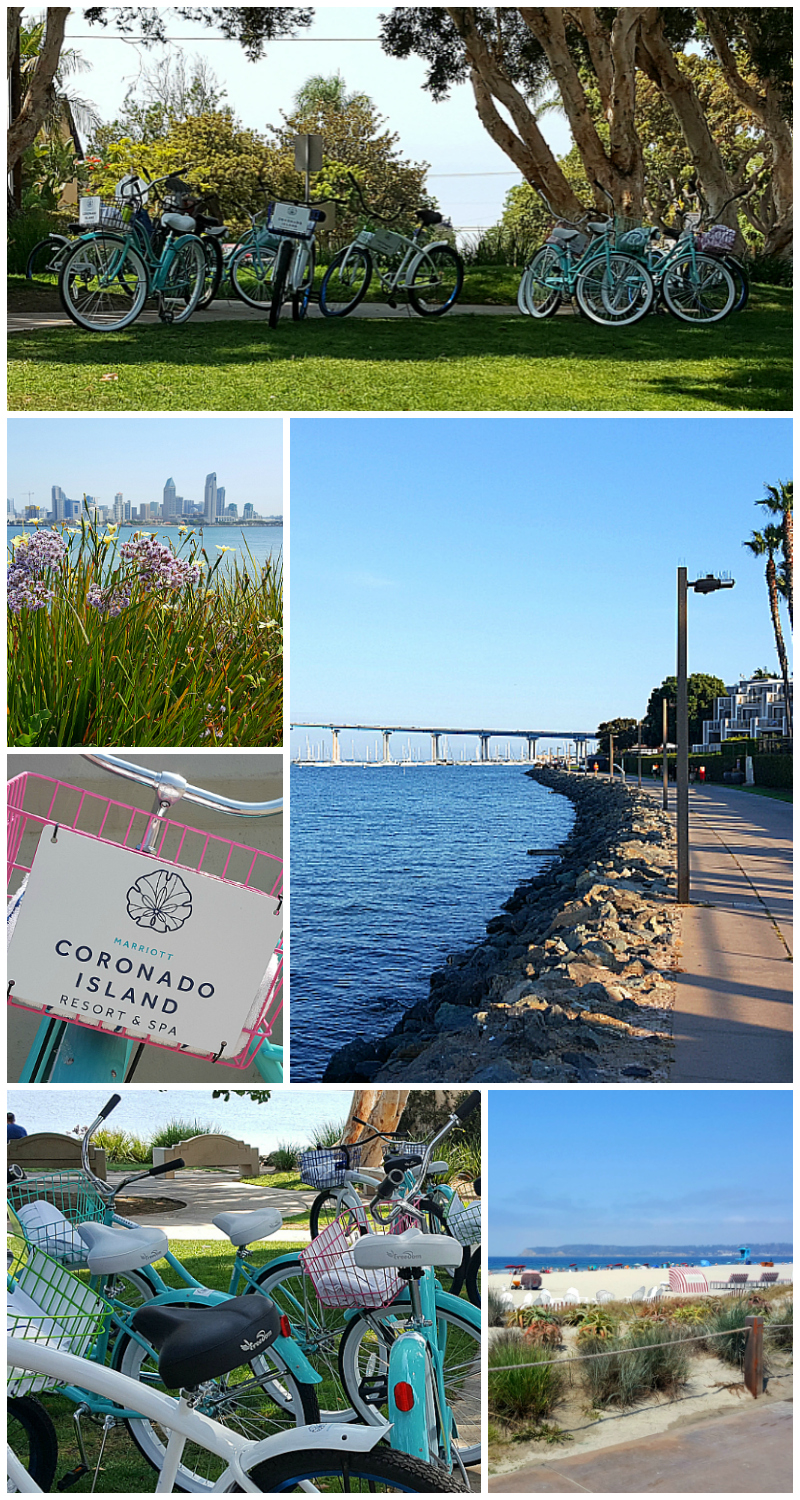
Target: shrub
{"points": [[770, 271], [596, 1324], [729, 1348], [176, 1130], [496, 1311], [542, 1332], [24, 231], [630, 1372], [774, 770], [530, 1390], [326, 1135], [688, 1312], [780, 1338], [285, 1157], [118, 1145]]}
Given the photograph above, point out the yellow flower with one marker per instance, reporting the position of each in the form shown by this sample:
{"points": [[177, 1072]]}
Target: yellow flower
{"points": [[226, 549]]}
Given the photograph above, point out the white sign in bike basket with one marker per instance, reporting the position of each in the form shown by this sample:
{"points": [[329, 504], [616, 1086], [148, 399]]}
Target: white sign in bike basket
{"points": [[125, 942], [89, 211], [384, 242], [290, 218]]}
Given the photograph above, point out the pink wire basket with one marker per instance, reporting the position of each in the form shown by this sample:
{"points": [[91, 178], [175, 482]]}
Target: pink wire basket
{"points": [[37, 802], [338, 1281]]}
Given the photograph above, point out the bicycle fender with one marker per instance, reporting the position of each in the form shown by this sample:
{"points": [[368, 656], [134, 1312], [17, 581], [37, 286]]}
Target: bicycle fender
{"points": [[408, 1362], [420, 255], [295, 1360], [358, 1438]]}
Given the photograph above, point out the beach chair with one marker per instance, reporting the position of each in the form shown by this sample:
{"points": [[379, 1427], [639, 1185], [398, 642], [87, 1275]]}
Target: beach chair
{"points": [[684, 1279], [528, 1300], [571, 1296], [638, 1296], [768, 1278], [602, 1296], [656, 1292], [543, 1299], [737, 1282]]}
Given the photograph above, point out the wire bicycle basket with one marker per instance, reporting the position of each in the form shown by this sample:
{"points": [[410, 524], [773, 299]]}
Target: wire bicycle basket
{"points": [[41, 807], [337, 1280], [48, 1205], [464, 1223], [47, 1305], [326, 1168]]}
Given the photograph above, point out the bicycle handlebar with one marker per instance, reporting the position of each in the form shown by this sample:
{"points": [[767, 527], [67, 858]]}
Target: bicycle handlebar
{"points": [[170, 787], [394, 1178]]}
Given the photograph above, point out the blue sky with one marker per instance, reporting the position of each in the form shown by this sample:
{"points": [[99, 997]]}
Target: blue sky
{"points": [[634, 1166], [448, 136], [521, 573], [101, 455]]}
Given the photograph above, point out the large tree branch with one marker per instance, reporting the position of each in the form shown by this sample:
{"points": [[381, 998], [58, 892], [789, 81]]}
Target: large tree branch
{"points": [[766, 107], [13, 19], [546, 24], [24, 130]]}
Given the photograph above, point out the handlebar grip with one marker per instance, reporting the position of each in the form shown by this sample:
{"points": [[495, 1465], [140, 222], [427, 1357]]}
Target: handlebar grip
{"points": [[390, 1184], [468, 1106], [107, 1108], [167, 1166]]}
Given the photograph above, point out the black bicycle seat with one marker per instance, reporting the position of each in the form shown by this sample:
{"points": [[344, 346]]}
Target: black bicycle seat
{"points": [[200, 1343], [429, 217], [400, 1163]]}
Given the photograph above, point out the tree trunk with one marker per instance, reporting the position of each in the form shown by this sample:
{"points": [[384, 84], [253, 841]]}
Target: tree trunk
{"points": [[772, 589], [24, 129], [381, 1109]]}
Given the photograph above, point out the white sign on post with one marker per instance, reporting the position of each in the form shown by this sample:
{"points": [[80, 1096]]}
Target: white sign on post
{"points": [[89, 212], [125, 942]]}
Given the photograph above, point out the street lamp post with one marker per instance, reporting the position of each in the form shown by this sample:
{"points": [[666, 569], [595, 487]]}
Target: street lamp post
{"points": [[707, 585]]}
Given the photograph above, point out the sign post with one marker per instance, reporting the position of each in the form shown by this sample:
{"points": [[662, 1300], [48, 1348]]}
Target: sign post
{"points": [[308, 158]]}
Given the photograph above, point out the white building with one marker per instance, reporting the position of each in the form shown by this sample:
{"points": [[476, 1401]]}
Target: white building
{"points": [[119, 507], [210, 500], [754, 707]]}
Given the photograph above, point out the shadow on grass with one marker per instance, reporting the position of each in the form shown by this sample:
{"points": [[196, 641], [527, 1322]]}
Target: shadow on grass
{"points": [[743, 364]]}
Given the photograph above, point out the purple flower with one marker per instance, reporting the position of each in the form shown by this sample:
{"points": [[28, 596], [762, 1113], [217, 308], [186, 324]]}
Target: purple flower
{"points": [[34, 556], [109, 601], [158, 567]]}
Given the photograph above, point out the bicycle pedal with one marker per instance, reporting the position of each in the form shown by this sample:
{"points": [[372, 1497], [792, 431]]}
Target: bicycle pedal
{"points": [[392, 301], [374, 1392], [67, 1480]]}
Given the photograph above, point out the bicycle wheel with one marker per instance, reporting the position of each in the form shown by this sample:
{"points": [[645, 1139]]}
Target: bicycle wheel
{"points": [[44, 261], [282, 262], [184, 282], [103, 283], [472, 1278], [333, 1473], [364, 1368], [32, 1437], [543, 283], [345, 282], [256, 1400], [212, 250], [251, 275], [698, 289], [316, 1328], [323, 1211], [616, 291], [741, 281], [436, 281], [302, 297]]}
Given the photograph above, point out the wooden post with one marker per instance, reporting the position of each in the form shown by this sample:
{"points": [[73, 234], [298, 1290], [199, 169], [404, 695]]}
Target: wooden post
{"points": [[754, 1356]]}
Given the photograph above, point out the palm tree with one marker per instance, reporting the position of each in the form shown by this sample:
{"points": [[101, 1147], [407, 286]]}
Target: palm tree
{"points": [[319, 93], [778, 501], [765, 544]]}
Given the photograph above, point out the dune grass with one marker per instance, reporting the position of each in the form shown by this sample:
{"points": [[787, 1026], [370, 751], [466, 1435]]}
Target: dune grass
{"points": [[457, 363]]}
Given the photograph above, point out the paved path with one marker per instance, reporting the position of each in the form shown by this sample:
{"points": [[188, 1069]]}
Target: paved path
{"points": [[748, 1452], [206, 1194], [239, 312], [733, 1007]]}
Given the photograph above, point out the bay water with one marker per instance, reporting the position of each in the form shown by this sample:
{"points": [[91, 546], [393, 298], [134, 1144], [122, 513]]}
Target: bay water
{"points": [[392, 869], [252, 546]]}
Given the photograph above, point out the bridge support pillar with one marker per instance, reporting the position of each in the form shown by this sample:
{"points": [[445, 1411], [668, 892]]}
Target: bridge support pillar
{"points": [[531, 747], [335, 751], [484, 751], [386, 737], [435, 738]]}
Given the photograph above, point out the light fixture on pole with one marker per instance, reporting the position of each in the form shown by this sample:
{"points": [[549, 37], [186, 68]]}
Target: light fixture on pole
{"points": [[707, 585]]}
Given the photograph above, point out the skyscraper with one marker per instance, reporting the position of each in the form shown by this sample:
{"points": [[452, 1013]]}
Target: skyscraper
{"points": [[210, 500], [248, 512], [221, 500], [58, 497], [119, 507], [169, 508]]}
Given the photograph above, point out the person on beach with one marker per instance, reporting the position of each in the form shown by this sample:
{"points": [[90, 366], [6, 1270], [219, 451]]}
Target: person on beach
{"points": [[15, 1132]]}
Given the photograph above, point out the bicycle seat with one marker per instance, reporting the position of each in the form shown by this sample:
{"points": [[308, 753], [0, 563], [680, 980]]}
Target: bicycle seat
{"points": [[181, 223], [200, 1343], [111, 1249], [437, 1167], [217, 230], [400, 1163], [48, 1229], [560, 233], [412, 1248], [429, 217], [599, 228], [254, 1224]]}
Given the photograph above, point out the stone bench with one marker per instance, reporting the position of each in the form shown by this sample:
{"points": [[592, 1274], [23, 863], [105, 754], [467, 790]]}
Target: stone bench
{"points": [[48, 1152], [210, 1151]]}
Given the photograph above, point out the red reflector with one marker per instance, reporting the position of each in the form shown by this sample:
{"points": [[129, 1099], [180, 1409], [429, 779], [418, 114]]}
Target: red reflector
{"points": [[286, 1327], [403, 1396]]}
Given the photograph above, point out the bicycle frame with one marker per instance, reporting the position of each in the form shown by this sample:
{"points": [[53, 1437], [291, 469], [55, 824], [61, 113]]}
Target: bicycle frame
{"points": [[403, 274]]}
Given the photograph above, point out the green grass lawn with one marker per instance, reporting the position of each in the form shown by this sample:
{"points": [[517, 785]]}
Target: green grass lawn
{"points": [[452, 364]]}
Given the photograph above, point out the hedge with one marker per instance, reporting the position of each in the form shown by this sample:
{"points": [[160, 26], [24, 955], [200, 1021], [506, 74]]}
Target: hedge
{"points": [[769, 770], [773, 770]]}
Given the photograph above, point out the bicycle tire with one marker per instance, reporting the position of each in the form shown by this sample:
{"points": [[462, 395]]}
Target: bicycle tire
{"points": [[282, 262], [323, 1211], [315, 1328], [397, 1472], [212, 250], [292, 1404], [39, 261], [360, 1343], [698, 289], [741, 278], [32, 1437], [184, 281], [251, 272], [439, 255], [333, 307], [302, 297], [542, 300], [99, 308], [471, 1279], [615, 292]]}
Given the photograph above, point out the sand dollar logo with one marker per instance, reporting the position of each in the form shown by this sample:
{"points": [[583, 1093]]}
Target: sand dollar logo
{"points": [[160, 902]]}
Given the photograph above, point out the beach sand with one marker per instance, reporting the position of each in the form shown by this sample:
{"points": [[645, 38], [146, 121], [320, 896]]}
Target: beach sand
{"points": [[624, 1283]]}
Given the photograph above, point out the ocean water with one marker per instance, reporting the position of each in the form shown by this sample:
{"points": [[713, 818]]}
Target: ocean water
{"points": [[263, 542], [690, 1255], [289, 1115], [392, 869]]}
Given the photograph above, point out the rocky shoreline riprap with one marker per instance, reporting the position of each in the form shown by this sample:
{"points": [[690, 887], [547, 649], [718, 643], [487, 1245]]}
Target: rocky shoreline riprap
{"points": [[573, 982]]}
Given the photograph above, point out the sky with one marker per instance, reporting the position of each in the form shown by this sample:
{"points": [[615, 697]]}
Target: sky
{"points": [[470, 175], [520, 573], [100, 456], [638, 1166]]}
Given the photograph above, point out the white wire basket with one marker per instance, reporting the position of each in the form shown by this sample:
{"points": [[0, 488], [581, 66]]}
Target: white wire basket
{"points": [[47, 1305], [338, 1281], [465, 1223]]}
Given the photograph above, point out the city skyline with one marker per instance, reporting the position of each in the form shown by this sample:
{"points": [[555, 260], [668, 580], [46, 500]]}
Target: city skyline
{"points": [[104, 456]]}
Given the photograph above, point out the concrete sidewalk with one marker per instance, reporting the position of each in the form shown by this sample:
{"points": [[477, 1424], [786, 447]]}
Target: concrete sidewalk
{"points": [[733, 1006], [232, 310], [748, 1452], [206, 1194]]}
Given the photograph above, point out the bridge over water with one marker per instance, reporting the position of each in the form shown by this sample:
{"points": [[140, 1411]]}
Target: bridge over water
{"points": [[580, 738]]}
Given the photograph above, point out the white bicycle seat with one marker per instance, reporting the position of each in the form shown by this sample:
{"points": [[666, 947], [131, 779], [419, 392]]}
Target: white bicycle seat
{"points": [[412, 1248], [181, 223], [563, 234], [216, 229], [599, 228], [438, 1166], [254, 1224], [46, 1227], [112, 1248]]}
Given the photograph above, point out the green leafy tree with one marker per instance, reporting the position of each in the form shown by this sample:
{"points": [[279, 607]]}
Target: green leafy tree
{"points": [[172, 89], [258, 1096], [767, 543], [625, 732], [702, 689]]}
